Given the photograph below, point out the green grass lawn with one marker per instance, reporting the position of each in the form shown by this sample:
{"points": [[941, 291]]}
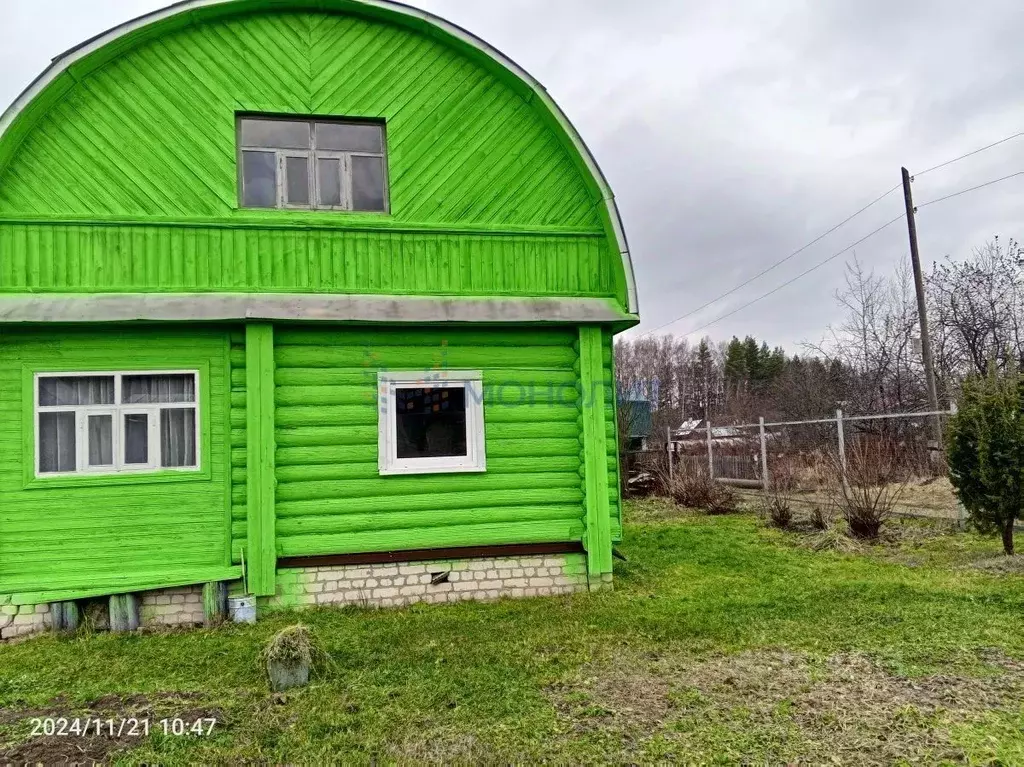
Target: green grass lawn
{"points": [[722, 642]]}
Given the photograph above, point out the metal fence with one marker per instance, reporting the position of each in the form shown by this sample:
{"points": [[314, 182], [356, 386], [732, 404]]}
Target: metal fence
{"points": [[805, 459]]}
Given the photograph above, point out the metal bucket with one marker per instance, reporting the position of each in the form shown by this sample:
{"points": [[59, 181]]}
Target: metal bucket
{"points": [[242, 609]]}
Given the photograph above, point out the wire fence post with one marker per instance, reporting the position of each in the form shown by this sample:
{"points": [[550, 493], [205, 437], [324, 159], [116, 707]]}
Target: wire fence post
{"points": [[842, 445], [668, 451], [764, 455], [711, 457]]}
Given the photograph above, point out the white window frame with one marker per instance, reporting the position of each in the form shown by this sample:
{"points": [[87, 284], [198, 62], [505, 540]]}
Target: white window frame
{"points": [[118, 411], [389, 463], [314, 155]]}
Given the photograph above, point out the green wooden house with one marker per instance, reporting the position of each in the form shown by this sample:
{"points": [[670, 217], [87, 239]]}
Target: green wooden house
{"points": [[319, 290]]}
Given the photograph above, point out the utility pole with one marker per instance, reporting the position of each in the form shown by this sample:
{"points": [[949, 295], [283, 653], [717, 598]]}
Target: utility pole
{"points": [[922, 311]]}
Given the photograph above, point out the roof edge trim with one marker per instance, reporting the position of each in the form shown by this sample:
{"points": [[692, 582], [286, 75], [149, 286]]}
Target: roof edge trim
{"points": [[63, 62]]}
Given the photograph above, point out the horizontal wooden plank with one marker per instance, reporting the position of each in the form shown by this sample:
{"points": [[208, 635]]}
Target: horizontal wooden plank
{"points": [[469, 535], [461, 499], [398, 519]]}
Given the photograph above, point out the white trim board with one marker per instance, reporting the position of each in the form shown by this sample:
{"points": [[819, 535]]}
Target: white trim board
{"points": [[209, 307], [63, 62], [471, 382]]}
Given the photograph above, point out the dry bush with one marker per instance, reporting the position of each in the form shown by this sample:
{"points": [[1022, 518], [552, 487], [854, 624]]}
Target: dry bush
{"points": [[696, 490], [724, 500], [776, 509], [834, 539], [870, 487], [822, 516], [775, 505]]}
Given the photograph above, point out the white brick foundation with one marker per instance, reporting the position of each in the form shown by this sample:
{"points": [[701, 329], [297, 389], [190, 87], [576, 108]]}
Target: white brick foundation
{"points": [[22, 620], [166, 607], [384, 585], [172, 607], [389, 585]]}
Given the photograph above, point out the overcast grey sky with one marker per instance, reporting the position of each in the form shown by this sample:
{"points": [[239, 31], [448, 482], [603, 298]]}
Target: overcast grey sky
{"points": [[733, 132]]}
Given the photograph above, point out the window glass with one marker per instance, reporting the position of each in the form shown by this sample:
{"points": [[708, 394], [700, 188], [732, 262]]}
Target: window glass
{"points": [[76, 390], [312, 164], [431, 422], [56, 442], [297, 175], [259, 179], [329, 182], [136, 438], [275, 134], [178, 437], [147, 389], [367, 184], [101, 440], [350, 137]]}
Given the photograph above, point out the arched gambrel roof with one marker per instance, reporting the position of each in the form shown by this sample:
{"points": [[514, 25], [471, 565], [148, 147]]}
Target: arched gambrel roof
{"points": [[384, 9]]}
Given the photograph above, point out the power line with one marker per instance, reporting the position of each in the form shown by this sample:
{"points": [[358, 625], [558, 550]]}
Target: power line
{"points": [[970, 154], [842, 223], [774, 266], [971, 189], [803, 274]]}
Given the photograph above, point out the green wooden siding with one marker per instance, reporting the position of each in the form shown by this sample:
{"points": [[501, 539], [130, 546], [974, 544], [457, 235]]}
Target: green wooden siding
{"points": [[239, 474], [488, 195], [152, 133], [149, 257], [111, 533], [260, 486], [330, 498], [612, 441]]}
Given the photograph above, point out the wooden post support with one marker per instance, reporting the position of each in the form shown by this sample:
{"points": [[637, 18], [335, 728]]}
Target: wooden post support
{"points": [[765, 479], [261, 547], [215, 602], [598, 537], [124, 613], [841, 436], [711, 455], [922, 314], [668, 451], [65, 616]]}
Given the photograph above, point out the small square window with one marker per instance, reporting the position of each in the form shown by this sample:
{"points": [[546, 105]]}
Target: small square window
{"points": [[431, 422]]}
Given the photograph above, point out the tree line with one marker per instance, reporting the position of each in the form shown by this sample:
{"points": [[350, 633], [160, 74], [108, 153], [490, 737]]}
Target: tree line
{"points": [[869, 362]]}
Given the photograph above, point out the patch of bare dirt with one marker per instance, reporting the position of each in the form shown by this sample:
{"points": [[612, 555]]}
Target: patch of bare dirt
{"points": [[97, 743], [782, 706]]}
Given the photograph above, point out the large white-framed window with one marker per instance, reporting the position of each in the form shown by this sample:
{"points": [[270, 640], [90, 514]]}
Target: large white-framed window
{"points": [[431, 422], [122, 422]]}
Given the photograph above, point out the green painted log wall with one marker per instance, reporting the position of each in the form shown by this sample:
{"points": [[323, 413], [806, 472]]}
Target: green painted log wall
{"points": [[111, 533], [330, 498], [123, 176]]}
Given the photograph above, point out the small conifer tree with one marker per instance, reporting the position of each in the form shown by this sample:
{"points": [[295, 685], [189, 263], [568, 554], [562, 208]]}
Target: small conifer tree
{"points": [[986, 452]]}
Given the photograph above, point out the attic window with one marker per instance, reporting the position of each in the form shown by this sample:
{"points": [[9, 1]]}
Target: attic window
{"points": [[312, 164]]}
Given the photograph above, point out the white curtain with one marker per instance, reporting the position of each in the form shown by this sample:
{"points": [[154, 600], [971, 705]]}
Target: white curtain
{"points": [[158, 389], [178, 437], [101, 440], [76, 390], [56, 442]]}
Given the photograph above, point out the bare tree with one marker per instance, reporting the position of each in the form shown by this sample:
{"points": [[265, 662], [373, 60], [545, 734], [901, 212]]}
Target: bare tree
{"points": [[978, 310], [876, 340]]}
